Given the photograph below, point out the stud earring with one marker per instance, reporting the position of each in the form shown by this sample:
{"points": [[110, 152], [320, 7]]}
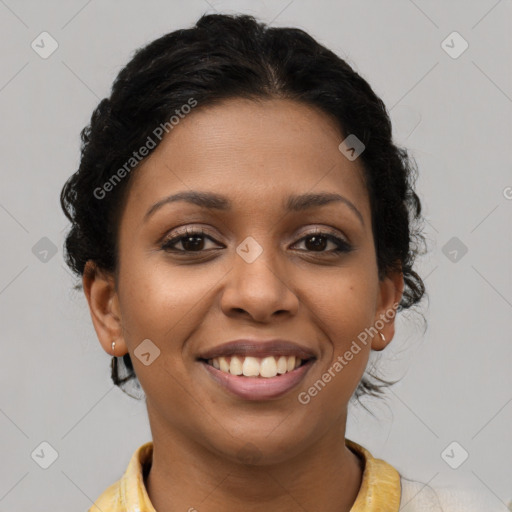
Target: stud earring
{"points": [[113, 348], [382, 336]]}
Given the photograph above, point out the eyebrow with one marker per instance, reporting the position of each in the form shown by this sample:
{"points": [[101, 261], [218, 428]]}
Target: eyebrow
{"points": [[213, 201]]}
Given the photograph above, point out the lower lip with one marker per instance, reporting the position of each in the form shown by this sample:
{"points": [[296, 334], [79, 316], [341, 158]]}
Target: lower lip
{"points": [[259, 388]]}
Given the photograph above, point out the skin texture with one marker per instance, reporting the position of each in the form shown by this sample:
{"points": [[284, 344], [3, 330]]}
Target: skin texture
{"points": [[256, 153]]}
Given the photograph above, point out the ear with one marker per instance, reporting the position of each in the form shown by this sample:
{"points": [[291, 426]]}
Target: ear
{"points": [[99, 288], [390, 293]]}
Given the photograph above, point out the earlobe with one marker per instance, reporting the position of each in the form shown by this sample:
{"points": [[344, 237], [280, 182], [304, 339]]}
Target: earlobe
{"points": [[99, 289], [390, 294]]}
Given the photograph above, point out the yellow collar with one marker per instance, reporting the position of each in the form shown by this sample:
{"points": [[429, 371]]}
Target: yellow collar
{"points": [[380, 488]]}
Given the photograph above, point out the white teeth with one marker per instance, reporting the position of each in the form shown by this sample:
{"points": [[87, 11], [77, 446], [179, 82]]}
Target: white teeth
{"points": [[235, 366], [249, 366], [282, 365], [224, 365], [268, 367]]}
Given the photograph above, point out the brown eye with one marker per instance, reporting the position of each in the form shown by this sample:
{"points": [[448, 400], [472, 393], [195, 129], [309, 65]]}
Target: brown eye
{"points": [[191, 241], [194, 241], [318, 242]]}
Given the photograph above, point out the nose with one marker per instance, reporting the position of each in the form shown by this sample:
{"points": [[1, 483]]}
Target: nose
{"points": [[259, 290]]}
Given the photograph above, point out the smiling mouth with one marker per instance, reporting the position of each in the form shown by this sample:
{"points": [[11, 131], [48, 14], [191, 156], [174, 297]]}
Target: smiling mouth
{"points": [[249, 366]]}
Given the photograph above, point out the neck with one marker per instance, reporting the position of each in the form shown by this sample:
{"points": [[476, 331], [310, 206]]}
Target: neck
{"points": [[185, 476]]}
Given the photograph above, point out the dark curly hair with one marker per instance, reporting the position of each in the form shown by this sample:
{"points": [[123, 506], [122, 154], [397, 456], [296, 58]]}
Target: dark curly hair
{"points": [[229, 56]]}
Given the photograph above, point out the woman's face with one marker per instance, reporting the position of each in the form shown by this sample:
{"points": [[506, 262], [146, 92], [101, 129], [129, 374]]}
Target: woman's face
{"points": [[258, 269]]}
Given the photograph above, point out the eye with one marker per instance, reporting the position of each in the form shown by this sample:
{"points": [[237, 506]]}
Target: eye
{"points": [[191, 241], [317, 241]]}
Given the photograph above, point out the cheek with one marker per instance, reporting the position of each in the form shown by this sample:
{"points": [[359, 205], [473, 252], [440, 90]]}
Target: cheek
{"points": [[344, 307], [344, 303], [162, 302]]}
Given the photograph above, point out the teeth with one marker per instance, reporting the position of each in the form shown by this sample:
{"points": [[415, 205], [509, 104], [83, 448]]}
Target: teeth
{"points": [[249, 366], [235, 367], [268, 367], [282, 364], [224, 365]]}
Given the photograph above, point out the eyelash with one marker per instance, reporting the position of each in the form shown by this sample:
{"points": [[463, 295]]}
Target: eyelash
{"points": [[342, 245]]}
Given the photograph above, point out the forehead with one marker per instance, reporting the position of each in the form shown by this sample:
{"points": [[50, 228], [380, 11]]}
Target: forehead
{"points": [[251, 151]]}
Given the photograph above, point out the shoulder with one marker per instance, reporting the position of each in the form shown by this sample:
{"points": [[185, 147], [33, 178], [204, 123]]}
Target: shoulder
{"points": [[108, 500], [417, 496], [128, 493]]}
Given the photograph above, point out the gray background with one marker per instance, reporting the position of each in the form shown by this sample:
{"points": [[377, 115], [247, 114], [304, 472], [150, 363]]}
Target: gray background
{"points": [[454, 114]]}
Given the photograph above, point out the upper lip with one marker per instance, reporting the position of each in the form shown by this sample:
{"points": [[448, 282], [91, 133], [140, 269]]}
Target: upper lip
{"points": [[259, 348]]}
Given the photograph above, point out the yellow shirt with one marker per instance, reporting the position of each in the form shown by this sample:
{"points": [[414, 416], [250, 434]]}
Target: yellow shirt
{"points": [[380, 488]]}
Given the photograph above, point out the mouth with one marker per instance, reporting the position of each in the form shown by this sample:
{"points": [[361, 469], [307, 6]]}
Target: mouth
{"points": [[263, 367], [258, 369]]}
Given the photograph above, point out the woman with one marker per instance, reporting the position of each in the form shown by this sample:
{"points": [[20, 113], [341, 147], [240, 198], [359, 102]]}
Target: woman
{"points": [[245, 231]]}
